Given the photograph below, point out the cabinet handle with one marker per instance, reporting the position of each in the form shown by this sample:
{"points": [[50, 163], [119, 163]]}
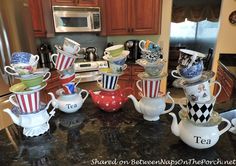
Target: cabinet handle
{"points": [[128, 30], [77, 2]]}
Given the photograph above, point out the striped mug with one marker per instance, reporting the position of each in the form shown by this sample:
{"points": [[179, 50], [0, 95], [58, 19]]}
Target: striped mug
{"points": [[28, 103], [108, 81], [63, 60], [149, 87]]}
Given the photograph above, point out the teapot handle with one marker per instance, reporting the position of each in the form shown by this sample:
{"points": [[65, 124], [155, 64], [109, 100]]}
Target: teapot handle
{"points": [[226, 128], [184, 108], [83, 90], [172, 105]]}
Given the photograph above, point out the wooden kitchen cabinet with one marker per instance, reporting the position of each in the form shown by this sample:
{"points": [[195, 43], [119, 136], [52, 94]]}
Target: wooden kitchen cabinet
{"points": [[75, 2], [132, 17], [36, 11], [227, 83]]}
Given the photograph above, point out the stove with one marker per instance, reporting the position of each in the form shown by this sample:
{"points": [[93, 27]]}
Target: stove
{"points": [[89, 70]]}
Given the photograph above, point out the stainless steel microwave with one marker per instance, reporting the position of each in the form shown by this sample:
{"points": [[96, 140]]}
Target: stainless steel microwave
{"points": [[76, 19]]}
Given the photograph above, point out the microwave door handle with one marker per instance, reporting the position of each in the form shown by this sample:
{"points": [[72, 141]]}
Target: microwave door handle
{"points": [[91, 20]]}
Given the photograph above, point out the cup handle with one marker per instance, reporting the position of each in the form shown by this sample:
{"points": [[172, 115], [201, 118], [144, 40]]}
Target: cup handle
{"points": [[12, 100], [85, 97], [140, 44], [226, 128], [49, 75], [99, 79], [53, 59], [220, 87], [138, 85], [172, 105], [78, 81], [173, 73], [36, 59], [124, 67], [14, 74]]}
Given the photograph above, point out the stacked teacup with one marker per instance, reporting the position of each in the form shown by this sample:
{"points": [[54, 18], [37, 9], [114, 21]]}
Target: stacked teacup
{"points": [[28, 111], [116, 57], [153, 101], [197, 86], [107, 82], [64, 64]]}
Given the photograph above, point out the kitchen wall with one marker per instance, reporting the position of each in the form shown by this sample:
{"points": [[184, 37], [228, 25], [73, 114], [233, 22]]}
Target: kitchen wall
{"points": [[227, 32], [123, 39], [85, 40]]}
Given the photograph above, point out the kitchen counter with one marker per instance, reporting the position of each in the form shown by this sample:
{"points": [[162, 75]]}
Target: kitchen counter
{"points": [[90, 136]]}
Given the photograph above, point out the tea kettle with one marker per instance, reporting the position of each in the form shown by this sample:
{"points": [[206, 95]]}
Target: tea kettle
{"points": [[91, 53]]}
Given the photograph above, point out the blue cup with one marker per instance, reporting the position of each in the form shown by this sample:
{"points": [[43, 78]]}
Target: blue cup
{"points": [[24, 58]]}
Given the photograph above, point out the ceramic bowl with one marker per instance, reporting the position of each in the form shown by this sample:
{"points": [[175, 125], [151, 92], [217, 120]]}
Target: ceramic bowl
{"points": [[114, 51], [191, 72]]}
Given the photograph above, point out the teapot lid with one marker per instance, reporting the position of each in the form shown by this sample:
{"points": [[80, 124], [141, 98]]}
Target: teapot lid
{"points": [[215, 119]]}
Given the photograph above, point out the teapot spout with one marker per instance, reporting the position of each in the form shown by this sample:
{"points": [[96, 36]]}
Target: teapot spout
{"points": [[13, 116], [136, 103], [174, 125]]}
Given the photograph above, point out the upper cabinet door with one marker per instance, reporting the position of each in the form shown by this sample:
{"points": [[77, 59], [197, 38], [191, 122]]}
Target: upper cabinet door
{"points": [[145, 16], [36, 11], [88, 2], [116, 17], [64, 2]]}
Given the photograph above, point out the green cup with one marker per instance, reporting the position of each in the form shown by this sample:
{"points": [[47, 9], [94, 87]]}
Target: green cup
{"points": [[114, 51], [35, 81]]}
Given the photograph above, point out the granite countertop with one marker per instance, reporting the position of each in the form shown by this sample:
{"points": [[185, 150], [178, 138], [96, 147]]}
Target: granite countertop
{"points": [[90, 136]]}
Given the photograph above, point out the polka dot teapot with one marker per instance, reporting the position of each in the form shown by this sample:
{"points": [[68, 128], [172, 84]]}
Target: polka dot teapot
{"points": [[110, 101]]}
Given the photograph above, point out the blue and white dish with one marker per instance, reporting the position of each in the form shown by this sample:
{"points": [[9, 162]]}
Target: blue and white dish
{"points": [[192, 71]]}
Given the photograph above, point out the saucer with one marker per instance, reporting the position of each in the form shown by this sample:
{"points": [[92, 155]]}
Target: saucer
{"points": [[191, 52], [109, 72], [20, 88], [146, 76], [206, 75], [145, 63], [16, 110], [214, 120], [123, 55], [116, 88]]}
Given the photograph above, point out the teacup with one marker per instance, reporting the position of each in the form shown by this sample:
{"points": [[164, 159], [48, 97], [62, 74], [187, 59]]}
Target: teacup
{"points": [[201, 92], [189, 74], [24, 58], [34, 82], [114, 51], [69, 88], [188, 58], [108, 81], [199, 112], [71, 46], [20, 69], [66, 79], [64, 60], [149, 46], [149, 87], [27, 102], [117, 68]]}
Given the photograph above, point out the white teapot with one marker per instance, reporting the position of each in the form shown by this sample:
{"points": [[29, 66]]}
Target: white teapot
{"points": [[68, 103], [34, 124], [152, 108], [196, 136]]}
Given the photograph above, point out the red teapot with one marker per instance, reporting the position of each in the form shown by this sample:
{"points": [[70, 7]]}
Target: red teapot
{"points": [[110, 101]]}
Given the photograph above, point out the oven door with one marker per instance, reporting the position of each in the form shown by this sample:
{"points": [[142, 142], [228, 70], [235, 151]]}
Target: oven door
{"points": [[72, 21]]}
